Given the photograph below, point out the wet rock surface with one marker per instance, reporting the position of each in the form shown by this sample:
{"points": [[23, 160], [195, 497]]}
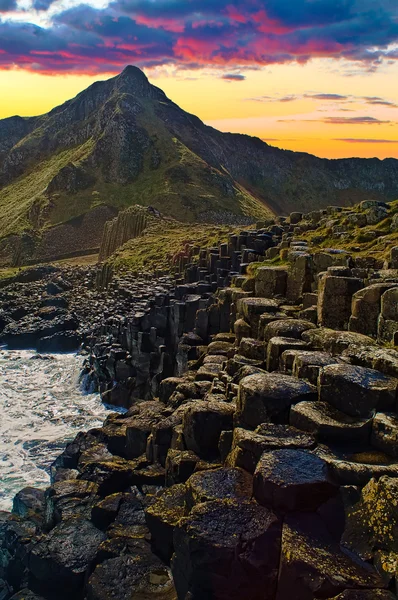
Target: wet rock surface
{"points": [[256, 458]]}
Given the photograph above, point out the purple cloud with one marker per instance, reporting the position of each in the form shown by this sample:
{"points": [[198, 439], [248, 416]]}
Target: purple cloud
{"points": [[201, 33]]}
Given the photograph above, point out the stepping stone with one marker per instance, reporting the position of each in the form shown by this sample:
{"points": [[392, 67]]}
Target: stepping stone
{"points": [[357, 391], [248, 446], [202, 425], [307, 364], [62, 558], [385, 433], [129, 577], [289, 328], [220, 484], [162, 517], [329, 424], [267, 397], [277, 346], [304, 575], [227, 549], [292, 480]]}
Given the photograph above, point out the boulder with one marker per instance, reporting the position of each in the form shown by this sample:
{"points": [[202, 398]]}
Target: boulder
{"points": [[226, 549], [336, 342], [70, 498], [304, 575], [202, 425], [357, 391], [292, 479], [385, 433], [366, 306], [271, 282], [388, 321], [131, 578], [251, 348], [61, 560], [219, 484], [372, 523], [29, 501], [288, 328], [334, 300], [26, 595], [365, 595], [180, 464], [248, 446], [307, 364], [163, 516], [328, 424], [252, 308], [277, 346], [267, 397]]}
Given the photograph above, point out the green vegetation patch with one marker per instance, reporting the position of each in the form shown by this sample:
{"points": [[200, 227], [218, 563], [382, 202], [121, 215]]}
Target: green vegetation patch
{"points": [[165, 244]]}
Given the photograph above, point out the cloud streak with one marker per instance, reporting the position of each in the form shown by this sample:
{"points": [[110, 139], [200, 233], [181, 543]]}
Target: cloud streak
{"points": [[365, 141], [233, 77], [201, 33], [328, 97], [341, 121]]}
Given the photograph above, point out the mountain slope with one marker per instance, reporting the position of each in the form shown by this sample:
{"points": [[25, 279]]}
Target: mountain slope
{"points": [[123, 142]]}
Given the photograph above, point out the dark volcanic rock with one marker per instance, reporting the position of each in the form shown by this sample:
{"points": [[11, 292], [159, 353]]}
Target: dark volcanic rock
{"points": [[131, 578], [313, 564], [268, 398], [357, 391], [226, 549], [292, 480], [61, 559], [220, 484]]}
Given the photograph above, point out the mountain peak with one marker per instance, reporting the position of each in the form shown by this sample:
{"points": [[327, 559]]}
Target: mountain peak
{"points": [[132, 72], [133, 81]]}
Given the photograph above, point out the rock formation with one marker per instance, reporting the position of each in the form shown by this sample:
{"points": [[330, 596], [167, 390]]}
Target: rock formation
{"points": [[257, 457]]}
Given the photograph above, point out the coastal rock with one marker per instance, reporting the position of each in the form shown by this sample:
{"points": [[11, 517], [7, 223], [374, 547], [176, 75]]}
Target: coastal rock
{"points": [[314, 565], [267, 397], [226, 549], [61, 560], [292, 480], [357, 391]]}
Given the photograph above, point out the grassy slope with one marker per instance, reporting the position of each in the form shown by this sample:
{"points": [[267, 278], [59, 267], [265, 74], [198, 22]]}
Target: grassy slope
{"points": [[358, 241], [157, 248], [198, 188], [17, 199]]}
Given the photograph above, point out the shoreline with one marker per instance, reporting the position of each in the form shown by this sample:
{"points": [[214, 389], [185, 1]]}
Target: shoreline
{"points": [[257, 458]]}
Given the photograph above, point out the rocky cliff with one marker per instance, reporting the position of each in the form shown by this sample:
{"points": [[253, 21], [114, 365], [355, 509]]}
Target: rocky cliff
{"points": [[123, 142]]}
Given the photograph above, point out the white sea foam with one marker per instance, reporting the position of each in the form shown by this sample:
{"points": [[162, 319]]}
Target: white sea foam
{"points": [[41, 409]]}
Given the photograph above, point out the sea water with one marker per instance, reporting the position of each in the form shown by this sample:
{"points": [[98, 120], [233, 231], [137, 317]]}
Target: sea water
{"points": [[41, 409]]}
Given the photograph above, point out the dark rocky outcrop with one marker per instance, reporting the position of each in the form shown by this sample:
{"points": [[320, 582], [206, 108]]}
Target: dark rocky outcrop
{"points": [[229, 475]]}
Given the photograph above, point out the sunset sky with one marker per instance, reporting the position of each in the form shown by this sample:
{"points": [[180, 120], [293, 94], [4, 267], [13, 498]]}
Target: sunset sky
{"points": [[318, 76]]}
